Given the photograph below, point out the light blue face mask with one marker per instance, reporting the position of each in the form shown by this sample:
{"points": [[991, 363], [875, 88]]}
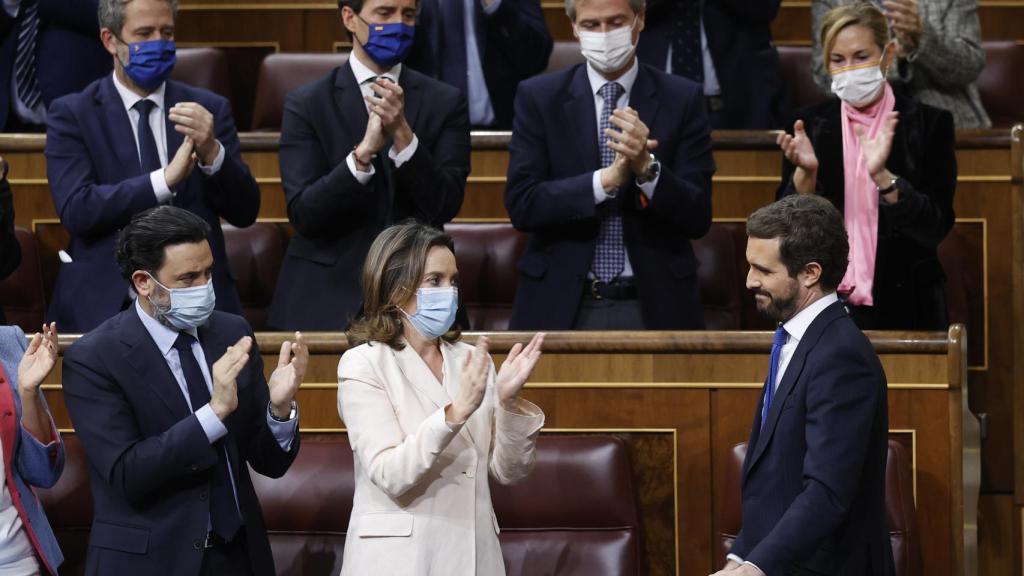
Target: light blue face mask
{"points": [[189, 307], [435, 311]]}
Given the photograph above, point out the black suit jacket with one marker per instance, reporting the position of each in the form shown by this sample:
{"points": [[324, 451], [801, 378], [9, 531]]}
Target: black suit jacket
{"points": [[746, 62], [149, 459], [553, 154], [335, 217], [514, 44], [814, 478], [10, 249], [909, 281]]}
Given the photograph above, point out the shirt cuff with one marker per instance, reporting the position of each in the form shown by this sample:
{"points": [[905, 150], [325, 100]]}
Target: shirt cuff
{"points": [[648, 187], [284, 432], [599, 194], [734, 558], [755, 566], [217, 162], [404, 156], [160, 188], [488, 10], [212, 426], [362, 177]]}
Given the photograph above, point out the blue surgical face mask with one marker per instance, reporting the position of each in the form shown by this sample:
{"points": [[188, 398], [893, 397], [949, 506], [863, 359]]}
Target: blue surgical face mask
{"points": [[188, 308], [150, 63], [389, 44], [435, 311]]}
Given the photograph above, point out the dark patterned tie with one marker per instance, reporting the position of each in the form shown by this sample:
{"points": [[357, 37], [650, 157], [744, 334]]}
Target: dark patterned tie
{"points": [[609, 254], [25, 56], [773, 372], [223, 512], [149, 158], [454, 66], [687, 56]]}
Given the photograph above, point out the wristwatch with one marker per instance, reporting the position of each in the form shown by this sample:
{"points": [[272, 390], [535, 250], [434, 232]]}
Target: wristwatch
{"points": [[653, 170], [291, 413], [890, 187]]}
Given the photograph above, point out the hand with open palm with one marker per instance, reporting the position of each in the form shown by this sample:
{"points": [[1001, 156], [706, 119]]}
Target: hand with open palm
{"points": [[516, 370], [876, 150]]}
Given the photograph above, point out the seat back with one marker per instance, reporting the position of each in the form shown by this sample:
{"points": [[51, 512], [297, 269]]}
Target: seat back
{"points": [[255, 254], [280, 74], [204, 68], [798, 76], [487, 257], [68, 506], [901, 515], [721, 282], [564, 54], [575, 514], [1002, 82], [23, 293]]}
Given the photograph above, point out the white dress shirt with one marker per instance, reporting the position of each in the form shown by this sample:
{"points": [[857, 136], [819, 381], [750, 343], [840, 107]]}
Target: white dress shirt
{"points": [[165, 337], [158, 125], [364, 78], [481, 112], [795, 329]]}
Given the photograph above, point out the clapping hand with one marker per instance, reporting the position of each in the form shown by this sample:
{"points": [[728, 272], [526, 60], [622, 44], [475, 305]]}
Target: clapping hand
{"points": [[224, 399], [876, 150], [291, 369], [905, 22], [38, 360], [473, 385], [516, 370], [798, 148]]}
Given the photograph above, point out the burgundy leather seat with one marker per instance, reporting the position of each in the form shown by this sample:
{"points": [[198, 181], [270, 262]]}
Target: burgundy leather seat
{"points": [[487, 258], [899, 507], [23, 293], [564, 54], [1002, 82], [797, 76], [205, 68], [721, 281], [280, 74], [255, 253], [69, 507]]}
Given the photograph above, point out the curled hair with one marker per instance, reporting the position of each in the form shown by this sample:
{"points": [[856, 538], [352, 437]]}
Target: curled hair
{"points": [[140, 244], [809, 229], [857, 14], [392, 272]]}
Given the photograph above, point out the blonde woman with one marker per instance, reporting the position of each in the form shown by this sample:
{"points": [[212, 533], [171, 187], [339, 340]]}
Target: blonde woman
{"points": [[428, 418]]}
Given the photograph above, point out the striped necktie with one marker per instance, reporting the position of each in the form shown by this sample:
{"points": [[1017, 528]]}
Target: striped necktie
{"points": [[25, 55]]}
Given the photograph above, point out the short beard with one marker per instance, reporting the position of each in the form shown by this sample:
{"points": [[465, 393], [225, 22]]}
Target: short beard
{"points": [[779, 310]]}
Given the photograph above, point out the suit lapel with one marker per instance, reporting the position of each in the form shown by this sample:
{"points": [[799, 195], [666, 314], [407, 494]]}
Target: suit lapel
{"points": [[413, 96], [118, 129], [420, 377], [349, 103], [581, 113], [143, 355], [790, 378]]}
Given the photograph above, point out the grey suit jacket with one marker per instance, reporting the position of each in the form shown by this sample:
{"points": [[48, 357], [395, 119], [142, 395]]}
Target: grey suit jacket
{"points": [[947, 63]]}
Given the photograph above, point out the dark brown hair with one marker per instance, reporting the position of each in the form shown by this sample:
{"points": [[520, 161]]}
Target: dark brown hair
{"points": [[391, 274], [809, 229]]}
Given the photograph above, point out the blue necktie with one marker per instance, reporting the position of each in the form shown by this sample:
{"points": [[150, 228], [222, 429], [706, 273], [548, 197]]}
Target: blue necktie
{"points": [[609, 254], [25, 55], [149, 158], [223, 512], [773, 372]]}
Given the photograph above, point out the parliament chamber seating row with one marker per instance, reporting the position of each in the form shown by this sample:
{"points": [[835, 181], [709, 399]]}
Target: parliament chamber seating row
{"points": [[1000, 84], [487, 255]]}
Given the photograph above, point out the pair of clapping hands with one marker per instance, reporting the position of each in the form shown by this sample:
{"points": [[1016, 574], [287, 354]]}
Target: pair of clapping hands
{"points": [[514, 372]]}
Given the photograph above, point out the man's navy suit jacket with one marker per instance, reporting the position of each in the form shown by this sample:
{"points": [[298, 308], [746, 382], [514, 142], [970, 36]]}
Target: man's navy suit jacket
{"points": [[149, 458], [553, 154], [97, 186], [814, 478]]}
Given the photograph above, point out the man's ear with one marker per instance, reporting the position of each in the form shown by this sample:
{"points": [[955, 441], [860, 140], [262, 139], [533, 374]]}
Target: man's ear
{"points": [[143, 283], [810, 276], [109, 41]]}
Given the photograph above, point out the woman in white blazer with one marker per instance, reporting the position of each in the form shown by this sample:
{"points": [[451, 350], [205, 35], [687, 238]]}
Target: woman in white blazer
{"points": [[428, 418]]}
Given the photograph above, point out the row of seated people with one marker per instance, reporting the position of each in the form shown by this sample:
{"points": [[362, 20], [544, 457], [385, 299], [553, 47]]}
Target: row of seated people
{"points": [[596, 532], [486, 48], [591, 248], [487, 256]]}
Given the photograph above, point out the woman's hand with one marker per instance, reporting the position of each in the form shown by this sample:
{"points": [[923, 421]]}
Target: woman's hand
{"points": [[39, 359], [876, 150], [798, 148], [516, 369], [473, 385]]}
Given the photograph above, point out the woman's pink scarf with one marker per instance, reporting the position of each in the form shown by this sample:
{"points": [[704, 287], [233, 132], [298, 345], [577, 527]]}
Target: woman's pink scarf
{"points": [[861, 198]]}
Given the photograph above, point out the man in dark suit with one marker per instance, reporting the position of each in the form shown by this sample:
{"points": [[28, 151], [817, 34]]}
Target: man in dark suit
{"points": [[48, 48], [131, 141], [814, 476], [171, 405], [725, 45], [610, 223], [484, 48], [370, 144]]}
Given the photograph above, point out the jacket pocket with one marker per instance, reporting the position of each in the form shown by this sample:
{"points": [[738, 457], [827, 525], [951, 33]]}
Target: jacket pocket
{"points": [[380, 524], [117, 537]]}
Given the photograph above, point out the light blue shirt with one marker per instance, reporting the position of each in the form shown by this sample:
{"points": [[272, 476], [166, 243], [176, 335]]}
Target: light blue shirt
{"points": [[481, 112]]}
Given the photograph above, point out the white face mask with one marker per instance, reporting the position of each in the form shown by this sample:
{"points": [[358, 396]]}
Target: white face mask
{"points": [[608, 51], [858, 85]]}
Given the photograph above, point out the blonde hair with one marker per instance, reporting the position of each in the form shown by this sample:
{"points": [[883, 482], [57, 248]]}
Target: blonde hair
{"points": [[856, 14], [392, 272]]}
